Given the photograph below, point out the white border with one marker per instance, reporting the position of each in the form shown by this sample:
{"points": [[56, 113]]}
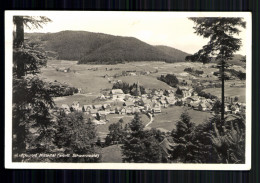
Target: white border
{"points": [[138, 166]]}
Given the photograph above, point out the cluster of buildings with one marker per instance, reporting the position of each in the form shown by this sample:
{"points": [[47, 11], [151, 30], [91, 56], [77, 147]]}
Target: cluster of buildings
{"points": [[234, 107], [63, 69], [117, 102]]}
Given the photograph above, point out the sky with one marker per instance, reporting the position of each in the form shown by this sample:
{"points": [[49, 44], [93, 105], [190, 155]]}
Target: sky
{"points": [[155, 28]]}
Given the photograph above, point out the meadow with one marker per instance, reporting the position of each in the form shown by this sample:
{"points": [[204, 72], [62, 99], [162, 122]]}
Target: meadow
{"points": [[229, 92], [169, 117]]}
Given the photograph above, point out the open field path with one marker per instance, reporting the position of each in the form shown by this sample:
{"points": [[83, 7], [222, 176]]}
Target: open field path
{"points": [[151, 120]]}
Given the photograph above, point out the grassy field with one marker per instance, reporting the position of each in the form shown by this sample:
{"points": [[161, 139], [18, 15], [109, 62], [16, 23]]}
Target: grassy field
{"points": [[102, 130], [83, 99], [229, 92], [93, 81], [168, 118]]}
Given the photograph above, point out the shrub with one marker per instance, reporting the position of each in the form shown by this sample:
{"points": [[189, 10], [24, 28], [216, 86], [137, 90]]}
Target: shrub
{"points": [[170, 79]]}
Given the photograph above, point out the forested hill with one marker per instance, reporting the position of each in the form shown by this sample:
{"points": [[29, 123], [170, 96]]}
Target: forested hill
{"points": [[173, 52], [88, 47]]}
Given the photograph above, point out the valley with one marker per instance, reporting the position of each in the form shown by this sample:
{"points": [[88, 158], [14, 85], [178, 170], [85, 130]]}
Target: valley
{"points": [[97, 80]]}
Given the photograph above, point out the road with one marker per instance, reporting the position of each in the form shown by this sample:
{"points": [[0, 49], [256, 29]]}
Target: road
{"points": [[151, 120]]}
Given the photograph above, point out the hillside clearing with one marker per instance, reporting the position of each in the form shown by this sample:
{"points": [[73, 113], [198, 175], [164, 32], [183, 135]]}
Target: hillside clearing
{"points": [[169, 117]]}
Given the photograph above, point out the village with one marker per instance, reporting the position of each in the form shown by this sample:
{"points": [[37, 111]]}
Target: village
{"points": [[152, 102]]}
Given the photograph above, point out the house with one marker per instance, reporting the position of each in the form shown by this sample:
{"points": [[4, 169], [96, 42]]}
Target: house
{"points": [[163, 97], [120, 97], [106, 76], [102, 115], [144, 96], [242, 108], [195, 105], [147, 104], [144, 101], [79, 90], [112, 110], [132, 74], [195, 98], [75, 106], [86, 108], [102, 97], [156, 108], [147, 107], [227, 108], [202, 107], [209, 101], [129, 110], [106, 106], [164, 103], [171, 100], [65, 108], [195, 93], [123, 111], [93, 112], [185, 93], [75, 103], [161, 92], [209, 106], [154, 101], [117, 91], [118, 110], [189, 100], [128, 103], [136, 110], [184, 88], [129, 97], [98, 106], [191, 91], [117, 94], [155, 92], [141, 108], [235, 108]]}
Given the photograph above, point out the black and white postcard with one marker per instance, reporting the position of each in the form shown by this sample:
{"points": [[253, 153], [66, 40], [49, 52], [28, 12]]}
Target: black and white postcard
{"points": [[128, 90]]}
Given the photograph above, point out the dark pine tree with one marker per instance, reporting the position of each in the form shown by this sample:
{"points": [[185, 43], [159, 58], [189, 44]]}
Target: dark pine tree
{"points": [[140, 146], [186, 148], [75, 135], [222, 44], [32, 120]]}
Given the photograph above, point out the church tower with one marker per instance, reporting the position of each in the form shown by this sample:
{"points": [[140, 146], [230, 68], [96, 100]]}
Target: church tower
{"points": [[138, 91]]}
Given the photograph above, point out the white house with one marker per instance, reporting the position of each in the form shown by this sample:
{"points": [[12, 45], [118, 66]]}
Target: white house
{"points": [[117, 94], [97, 106], [86, 108], [65, 108], [156, 108], [75, 106]]}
